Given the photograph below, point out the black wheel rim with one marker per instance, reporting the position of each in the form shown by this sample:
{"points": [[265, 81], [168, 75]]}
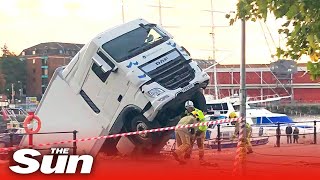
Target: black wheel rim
{"points": [[141, 126]]}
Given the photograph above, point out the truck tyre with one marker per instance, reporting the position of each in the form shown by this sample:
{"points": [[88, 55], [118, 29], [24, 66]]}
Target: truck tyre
{"points": [[199, 101], [163, 138], [139, 123]]}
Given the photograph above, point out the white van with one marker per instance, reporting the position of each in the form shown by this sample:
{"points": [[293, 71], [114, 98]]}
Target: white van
{"points": [[131, 77]]}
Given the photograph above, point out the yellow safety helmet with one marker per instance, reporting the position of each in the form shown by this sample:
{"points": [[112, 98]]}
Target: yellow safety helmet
{"points": [[232, 115]]}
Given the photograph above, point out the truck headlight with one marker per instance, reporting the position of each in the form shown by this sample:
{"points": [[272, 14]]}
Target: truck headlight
{"points": [[155, 92]]}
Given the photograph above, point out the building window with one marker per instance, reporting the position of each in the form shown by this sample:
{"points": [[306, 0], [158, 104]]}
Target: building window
{"points": [[33, 61], [34, 70], [43, 89], [44, 82], [23, 53], [60, 51], [44, 61], [33, 52], [33, 79]]}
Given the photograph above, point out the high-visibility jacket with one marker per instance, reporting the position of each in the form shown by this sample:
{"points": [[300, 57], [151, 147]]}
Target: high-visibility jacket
{"points": [[248, 129], [201, 118]]}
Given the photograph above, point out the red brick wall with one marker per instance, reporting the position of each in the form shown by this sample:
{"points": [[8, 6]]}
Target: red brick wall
{"points": [[307, 95], [55, 62], [301, 78], [223, 78], [34, 72], [236, 78], [253, 78], [225, 92], [303, 95], [268, 78], [34, 79]]}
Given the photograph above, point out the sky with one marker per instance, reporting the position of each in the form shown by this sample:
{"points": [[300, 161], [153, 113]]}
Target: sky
{"points": [[24, 23]]}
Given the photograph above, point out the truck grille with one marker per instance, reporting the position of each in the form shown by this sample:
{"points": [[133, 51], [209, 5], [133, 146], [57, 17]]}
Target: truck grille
{"points": [[174, 74]]}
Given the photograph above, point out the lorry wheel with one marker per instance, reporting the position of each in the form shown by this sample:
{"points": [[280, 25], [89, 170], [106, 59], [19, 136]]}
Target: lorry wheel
{"points": [[199, 101], [139, 123], [164, 137]]}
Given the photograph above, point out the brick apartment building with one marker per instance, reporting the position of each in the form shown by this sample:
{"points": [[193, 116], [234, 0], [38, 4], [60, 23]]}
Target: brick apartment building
{"points": [[42, 60]]}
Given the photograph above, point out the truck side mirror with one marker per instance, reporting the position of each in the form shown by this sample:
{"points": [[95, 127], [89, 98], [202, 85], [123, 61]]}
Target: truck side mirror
{"points": [[105, 63], [164, 31], [115, 69], [186, 50], [102, 61], [105, 68]]}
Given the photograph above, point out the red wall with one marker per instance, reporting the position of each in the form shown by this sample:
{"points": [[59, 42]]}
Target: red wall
{"points": [[301, 95]]}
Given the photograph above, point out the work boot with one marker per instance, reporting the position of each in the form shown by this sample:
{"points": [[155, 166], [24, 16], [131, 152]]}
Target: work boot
{"points": [[249, 151], [178, 158]]}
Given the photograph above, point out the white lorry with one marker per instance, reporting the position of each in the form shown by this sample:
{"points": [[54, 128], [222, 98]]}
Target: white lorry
{"points": [[128, 78]]}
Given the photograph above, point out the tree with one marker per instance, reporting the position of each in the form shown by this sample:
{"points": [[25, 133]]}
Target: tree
{"points": [[6, 52], [2, 82], [301, 27], [12, 71]]}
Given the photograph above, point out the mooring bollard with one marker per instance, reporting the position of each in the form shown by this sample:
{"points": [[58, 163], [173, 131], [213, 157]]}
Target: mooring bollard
{"points": [[219, 138], [74, 142], [30, 141], [315, 132], [278, 135]]}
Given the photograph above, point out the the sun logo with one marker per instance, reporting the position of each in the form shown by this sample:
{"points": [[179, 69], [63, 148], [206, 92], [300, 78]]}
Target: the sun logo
{"points": [[65, 163]]}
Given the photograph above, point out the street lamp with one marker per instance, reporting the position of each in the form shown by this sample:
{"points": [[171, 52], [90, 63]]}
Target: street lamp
{"points": [[20, 89], [8, 94]]}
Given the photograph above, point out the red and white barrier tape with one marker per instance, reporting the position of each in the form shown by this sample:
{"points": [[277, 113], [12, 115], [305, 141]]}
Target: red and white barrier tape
{"points": [[127, 134]]}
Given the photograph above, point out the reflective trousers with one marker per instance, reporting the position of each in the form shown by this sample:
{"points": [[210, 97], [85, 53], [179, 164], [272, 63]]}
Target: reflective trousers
{"points": [[183, 142], [248, 145], [200, 142]]}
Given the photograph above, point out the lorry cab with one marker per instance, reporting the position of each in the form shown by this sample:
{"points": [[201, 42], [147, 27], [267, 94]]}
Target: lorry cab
{"points": [[131, 77]]}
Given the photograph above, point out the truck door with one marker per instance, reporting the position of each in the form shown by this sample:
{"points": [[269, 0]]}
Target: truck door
{"points": [[93, 89], [104, 86]]}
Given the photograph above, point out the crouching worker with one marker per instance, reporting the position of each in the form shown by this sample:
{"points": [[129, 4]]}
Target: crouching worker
{"points": [[183, 136], [248, 132], [199, 137]]}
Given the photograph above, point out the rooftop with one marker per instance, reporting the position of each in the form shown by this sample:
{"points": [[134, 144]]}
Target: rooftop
{"points": [[52, 48]]}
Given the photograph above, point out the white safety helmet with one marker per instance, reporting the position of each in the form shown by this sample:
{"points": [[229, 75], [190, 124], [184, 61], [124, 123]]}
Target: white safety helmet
{"points": [[188, 104]]}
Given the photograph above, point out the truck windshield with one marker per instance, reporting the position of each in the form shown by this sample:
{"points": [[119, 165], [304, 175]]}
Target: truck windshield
{"points": [[134, 42]]}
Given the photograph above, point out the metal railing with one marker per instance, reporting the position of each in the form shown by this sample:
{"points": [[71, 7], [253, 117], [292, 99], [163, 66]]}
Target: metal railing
{"points": [[31, 145], [278, 135]]}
